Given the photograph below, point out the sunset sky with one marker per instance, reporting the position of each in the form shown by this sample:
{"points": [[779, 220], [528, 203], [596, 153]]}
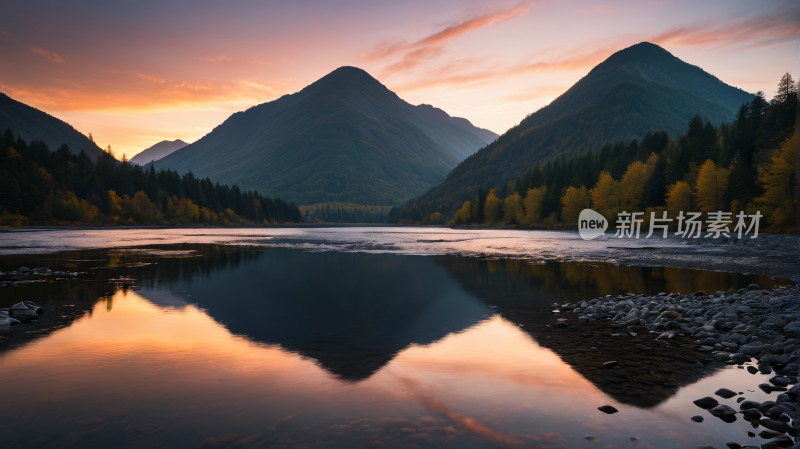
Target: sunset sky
{"points": [[136, 73]]}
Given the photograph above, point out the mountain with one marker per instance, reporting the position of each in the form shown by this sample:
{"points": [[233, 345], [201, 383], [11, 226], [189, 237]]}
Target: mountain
{"points": [[32, 124], [158, 151], [482, 133], [639, 89], [344, 138]]}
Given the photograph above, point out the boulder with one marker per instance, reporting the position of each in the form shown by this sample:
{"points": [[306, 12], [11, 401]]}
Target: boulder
{"points": [[754, 287], [778, 426], [35, 307], [24, 314]]}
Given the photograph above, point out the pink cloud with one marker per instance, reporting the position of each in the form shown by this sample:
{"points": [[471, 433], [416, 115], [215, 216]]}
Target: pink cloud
{"points": [[47, 54]]}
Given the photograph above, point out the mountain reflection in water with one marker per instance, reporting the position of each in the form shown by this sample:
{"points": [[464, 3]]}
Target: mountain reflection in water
{"points": [[219, 346]]}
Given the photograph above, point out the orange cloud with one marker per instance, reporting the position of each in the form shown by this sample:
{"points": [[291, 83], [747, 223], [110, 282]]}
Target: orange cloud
{"points": [[49, 55], [434, 44]]}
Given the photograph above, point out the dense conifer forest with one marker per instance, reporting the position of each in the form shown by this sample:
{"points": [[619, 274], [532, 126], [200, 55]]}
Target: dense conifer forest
{"points": [[43, 187], [748, 165]]}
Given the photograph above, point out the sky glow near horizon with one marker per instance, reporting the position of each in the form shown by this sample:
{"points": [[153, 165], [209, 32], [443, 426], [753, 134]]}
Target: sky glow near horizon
{"points": [[133, 74]]}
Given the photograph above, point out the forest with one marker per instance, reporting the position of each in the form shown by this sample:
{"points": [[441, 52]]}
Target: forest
{"points": [[344, 213], [40, 187], [746, 165]]}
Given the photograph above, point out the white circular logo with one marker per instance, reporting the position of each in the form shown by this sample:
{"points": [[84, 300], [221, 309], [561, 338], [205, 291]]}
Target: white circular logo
{"points": [[591, 224]]}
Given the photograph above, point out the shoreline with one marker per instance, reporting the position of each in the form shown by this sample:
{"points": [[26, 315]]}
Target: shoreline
{"points": [[757, 330]]}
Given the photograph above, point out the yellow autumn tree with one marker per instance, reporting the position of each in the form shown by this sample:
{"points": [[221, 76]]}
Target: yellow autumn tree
{"points": [[778, 179], [533, 205], [679, 198], [90, 211], [118, 205], [512, 209], [605, 195], [492, 207], [463, 215], [573, 202], [632, 185], [143, 210], [710, 187], [183, 209]]}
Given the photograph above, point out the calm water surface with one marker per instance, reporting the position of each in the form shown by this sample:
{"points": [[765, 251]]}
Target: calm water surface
{"points": [[230, 346]]}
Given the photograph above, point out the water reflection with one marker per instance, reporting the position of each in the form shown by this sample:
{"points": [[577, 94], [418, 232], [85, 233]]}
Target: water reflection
{"points": [[217, 346]]}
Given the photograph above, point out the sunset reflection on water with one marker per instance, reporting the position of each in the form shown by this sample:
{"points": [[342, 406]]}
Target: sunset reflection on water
{"points": [[231, 348]]}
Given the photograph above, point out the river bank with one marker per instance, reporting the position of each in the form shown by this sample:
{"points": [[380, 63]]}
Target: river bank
{"points": [[693, 334]]}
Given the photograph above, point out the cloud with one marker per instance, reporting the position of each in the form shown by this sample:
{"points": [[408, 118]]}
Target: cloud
{"points": [[217, 60], [468, 424], [434, 44], [574, 61], [778, 27], [49, 55]]}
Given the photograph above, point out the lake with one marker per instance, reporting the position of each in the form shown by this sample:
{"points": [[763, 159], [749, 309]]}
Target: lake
{"points": [[347, 338]]}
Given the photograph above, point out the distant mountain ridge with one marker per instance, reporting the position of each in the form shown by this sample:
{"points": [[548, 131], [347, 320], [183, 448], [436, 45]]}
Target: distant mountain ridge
{"points": [[485, 134], [637, 90], [343, 138], [32, 124], [158, 151]]}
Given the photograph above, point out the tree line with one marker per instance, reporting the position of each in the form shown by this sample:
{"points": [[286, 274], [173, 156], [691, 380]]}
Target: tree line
{"points": [[335, 212], [748, 165], [38, 186]]}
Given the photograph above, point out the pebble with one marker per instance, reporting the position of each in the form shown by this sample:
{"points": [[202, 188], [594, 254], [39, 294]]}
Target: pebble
{"points": [[706, 403], [608, 409], [758, 330]]}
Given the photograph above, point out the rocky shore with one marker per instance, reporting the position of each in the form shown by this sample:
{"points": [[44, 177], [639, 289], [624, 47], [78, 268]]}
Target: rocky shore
{"points": [[23, 275], [751, 326], [18, 314]]}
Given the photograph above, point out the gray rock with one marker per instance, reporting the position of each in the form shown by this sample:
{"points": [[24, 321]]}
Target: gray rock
{"points": [[721, 410], [750, 350], [35, 307], [736, 338], [5, 325], [722, 357], [740, 358], [24, 315], [747, 405], [768, 349], [794, 326], [781, 441], [725, 393], [23, 270], [744, 309], [772, 424], [780, 381], [698, 418], [754, 287], [751, 414], [706, 403]]}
